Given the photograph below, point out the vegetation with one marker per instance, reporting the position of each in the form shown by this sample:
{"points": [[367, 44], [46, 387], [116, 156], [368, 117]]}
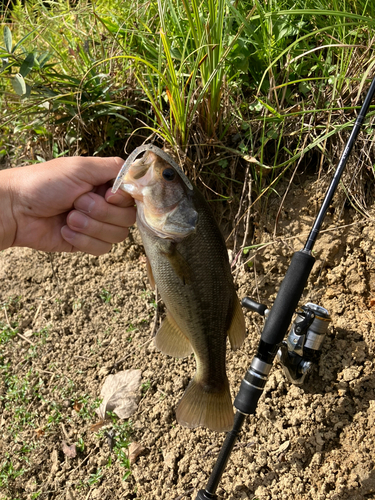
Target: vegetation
{"points": [[36, 404], [229, 86]]}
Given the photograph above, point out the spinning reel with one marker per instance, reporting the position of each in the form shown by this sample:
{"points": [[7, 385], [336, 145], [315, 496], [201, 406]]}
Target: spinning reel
{"points": [[302, 348]]}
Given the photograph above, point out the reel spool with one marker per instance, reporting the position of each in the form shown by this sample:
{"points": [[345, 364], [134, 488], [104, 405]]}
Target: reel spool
{"points": [[303, 345]]}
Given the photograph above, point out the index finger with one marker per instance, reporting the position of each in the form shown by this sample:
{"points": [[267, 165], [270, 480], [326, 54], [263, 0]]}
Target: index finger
{"points": [[120, 198]]}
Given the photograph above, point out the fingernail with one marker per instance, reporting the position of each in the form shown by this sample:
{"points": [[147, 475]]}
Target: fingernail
{"points": [[85, 203], [113, 197], [67, 233], [78, 219]]}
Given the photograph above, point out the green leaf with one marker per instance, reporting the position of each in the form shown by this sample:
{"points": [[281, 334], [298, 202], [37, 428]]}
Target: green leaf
{"points": [[43, 59], [28, 91], [27, 64], [19, 84], [23, 39], [8, 39]]}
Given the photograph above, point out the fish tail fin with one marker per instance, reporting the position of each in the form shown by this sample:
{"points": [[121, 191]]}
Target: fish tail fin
{"points": [[200, 407]]}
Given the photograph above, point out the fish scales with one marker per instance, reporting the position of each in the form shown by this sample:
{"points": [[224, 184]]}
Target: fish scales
{"points": [[201, 307]]}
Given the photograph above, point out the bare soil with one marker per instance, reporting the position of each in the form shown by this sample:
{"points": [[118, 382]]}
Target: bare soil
{"points": [[83, 317]]}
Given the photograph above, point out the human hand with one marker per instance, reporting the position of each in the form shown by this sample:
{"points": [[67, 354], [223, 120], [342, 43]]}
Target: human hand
{"points": [[66, 205]]}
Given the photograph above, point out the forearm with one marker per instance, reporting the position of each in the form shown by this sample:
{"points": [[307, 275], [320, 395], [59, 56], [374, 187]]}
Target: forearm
{"points": [[8, 225]]}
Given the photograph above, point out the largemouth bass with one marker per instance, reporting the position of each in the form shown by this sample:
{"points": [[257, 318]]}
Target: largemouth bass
{"points": [[188, 260]]}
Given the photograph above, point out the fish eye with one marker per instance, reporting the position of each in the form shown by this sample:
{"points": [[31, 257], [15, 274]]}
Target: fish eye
{"points": [[169, 174]]}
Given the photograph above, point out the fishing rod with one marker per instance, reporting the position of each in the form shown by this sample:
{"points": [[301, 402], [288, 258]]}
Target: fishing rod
{"points": [[307, 332]]}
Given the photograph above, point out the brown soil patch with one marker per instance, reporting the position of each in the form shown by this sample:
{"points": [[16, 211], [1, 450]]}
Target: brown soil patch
{"points": [[85, 317]]}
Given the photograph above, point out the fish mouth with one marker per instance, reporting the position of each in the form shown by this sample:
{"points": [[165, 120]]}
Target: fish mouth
{"points": [[157, 152], [137, 177]]}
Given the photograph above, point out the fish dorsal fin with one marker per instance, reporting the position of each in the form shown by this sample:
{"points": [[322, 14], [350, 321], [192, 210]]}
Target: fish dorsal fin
{"points": [[150, 275], [237, 329], [170, 339]]}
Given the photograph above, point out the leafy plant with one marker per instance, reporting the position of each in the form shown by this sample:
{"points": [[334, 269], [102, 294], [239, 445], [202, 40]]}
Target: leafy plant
{"points": [[8, 472], [106, 296]]}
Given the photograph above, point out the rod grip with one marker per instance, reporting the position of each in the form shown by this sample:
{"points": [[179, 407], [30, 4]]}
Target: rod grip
{"points": [[287, 299]]}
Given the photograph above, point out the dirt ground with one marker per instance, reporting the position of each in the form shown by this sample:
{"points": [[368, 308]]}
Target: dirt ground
{"points": [[81, 318]]}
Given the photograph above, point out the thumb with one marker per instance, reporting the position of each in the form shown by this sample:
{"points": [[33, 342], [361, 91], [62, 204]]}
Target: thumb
{"points": [[97, 170]]}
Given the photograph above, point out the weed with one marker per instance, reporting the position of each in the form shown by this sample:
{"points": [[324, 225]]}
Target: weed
{"points": [[131, 328], [8, 472], [7, 332], [146, 386], [122, 442], [105, 295], [78, 304], [120, 435], [86, 407], [147, 294], [95, 477], [80, 445]]}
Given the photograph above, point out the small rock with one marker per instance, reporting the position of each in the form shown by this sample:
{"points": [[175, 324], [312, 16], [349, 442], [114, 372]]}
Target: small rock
{"points": [[69, 495], [103, 372], [319, 439], [350, 374], [102, 461], [69, 451], [170, 459], [55, 462]]}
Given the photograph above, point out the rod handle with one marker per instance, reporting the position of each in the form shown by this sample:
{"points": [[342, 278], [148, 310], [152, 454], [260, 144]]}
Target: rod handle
{"points": [[287, 299]]}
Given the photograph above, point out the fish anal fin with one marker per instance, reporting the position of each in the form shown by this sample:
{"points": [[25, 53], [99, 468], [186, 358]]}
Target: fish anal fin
{"points": [[150, 275], [199, 407], [171, 340], [237, 329]]}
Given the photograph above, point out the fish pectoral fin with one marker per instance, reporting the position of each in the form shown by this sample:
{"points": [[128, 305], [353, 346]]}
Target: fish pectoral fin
{"points": [[170, 340], [237, 329], [150, 275], [200, 407], [178, 263]]}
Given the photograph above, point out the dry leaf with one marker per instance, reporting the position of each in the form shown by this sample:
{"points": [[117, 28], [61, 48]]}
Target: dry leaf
{"points": [[39, 432], [135, 449], [77, 406], [69, 451], [98, 425], [120, 393], [283, 447]]}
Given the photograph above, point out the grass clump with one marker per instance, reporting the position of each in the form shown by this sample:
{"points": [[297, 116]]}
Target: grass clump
{"points": [[218, 82]]}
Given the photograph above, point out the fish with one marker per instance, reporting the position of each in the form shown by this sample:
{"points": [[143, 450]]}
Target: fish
{"points": [[188, 261]]}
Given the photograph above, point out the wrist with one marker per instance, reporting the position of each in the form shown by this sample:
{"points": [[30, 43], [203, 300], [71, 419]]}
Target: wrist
{"points": [[8, 224]]}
